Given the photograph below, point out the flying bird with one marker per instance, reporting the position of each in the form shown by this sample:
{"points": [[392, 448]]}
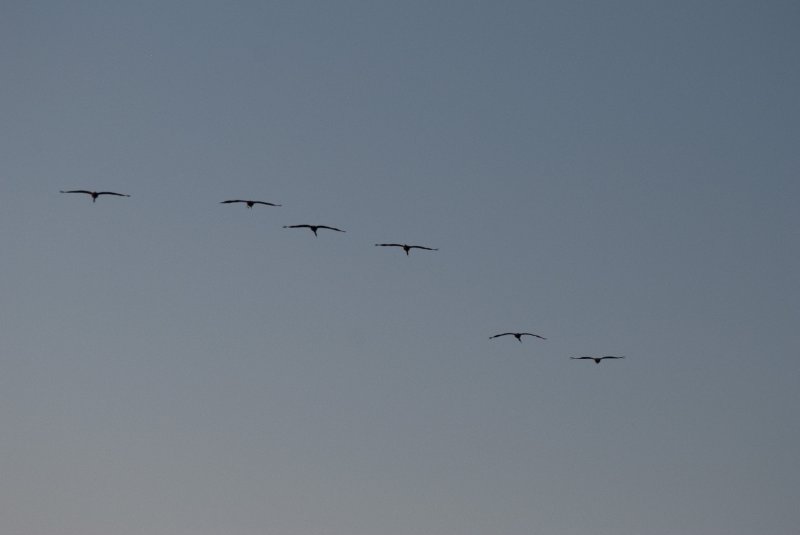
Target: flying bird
{"points": [[95, 194], [249, 203], [518, 336], [405, 247], [314, 228], [597, 359]]}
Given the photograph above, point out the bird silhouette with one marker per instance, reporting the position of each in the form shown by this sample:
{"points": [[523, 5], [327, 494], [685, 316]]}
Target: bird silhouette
{"points": [[518, 336], [597, 359], [314, 228], [405, 247], [249, 203], [95, 194]]}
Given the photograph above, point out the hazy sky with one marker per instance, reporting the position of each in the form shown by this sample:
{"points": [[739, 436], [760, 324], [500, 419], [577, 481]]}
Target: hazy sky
{"points": [[620, 177]]}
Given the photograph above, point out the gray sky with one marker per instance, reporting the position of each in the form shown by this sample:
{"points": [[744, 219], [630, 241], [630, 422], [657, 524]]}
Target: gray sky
{"points": [[620, 177]]}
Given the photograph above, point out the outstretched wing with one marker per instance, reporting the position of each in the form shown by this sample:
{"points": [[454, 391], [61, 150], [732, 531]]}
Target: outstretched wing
{"points": [[535, 335], [330, 228], [499, 335], [611, 357], [265, 203], [77, 191], [112, 193], [297, 226], [582, 358], [232, 200], [389, 245], [421, 247]]}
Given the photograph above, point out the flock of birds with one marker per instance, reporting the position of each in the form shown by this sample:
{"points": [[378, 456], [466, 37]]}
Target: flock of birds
{"points": [[314, 228]]}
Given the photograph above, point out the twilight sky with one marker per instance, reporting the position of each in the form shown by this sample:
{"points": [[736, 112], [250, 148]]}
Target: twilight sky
{"points": [[620, 177]]}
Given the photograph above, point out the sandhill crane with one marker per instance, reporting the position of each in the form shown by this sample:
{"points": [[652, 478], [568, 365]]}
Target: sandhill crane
{"points": [[518, 336], [314, 228], [597, 359], [95, 194], [405, 247], [249, 203]]}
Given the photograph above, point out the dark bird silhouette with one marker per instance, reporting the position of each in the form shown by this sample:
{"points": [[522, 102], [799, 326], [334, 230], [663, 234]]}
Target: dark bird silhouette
{"points": [[405, 247], [249, 203], [95, 194], [518, 336], [597, 359], [314, 228]]}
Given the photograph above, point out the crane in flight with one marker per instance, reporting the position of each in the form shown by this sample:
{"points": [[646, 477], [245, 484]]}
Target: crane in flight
{"points": [[249, 203], [518, 336], [405, 247], [314, 228], [95, 194], [597, 359]]}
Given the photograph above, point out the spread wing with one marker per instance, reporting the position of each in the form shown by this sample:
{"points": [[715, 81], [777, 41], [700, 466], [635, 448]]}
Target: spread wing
{"points": [[389, 245], [265, 203], [499, 335], [330, 228], [535, 335], [582, 358], [421, 247], [112, 193], [611, 357], [232, 200], [297, 226], [77, 191]]}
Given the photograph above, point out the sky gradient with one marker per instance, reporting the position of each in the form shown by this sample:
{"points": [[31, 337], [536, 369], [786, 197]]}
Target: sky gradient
{"points": [[620, 177]]}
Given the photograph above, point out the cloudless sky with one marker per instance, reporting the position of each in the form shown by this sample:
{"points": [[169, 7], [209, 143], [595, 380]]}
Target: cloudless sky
{"points": [[620, 177]]}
